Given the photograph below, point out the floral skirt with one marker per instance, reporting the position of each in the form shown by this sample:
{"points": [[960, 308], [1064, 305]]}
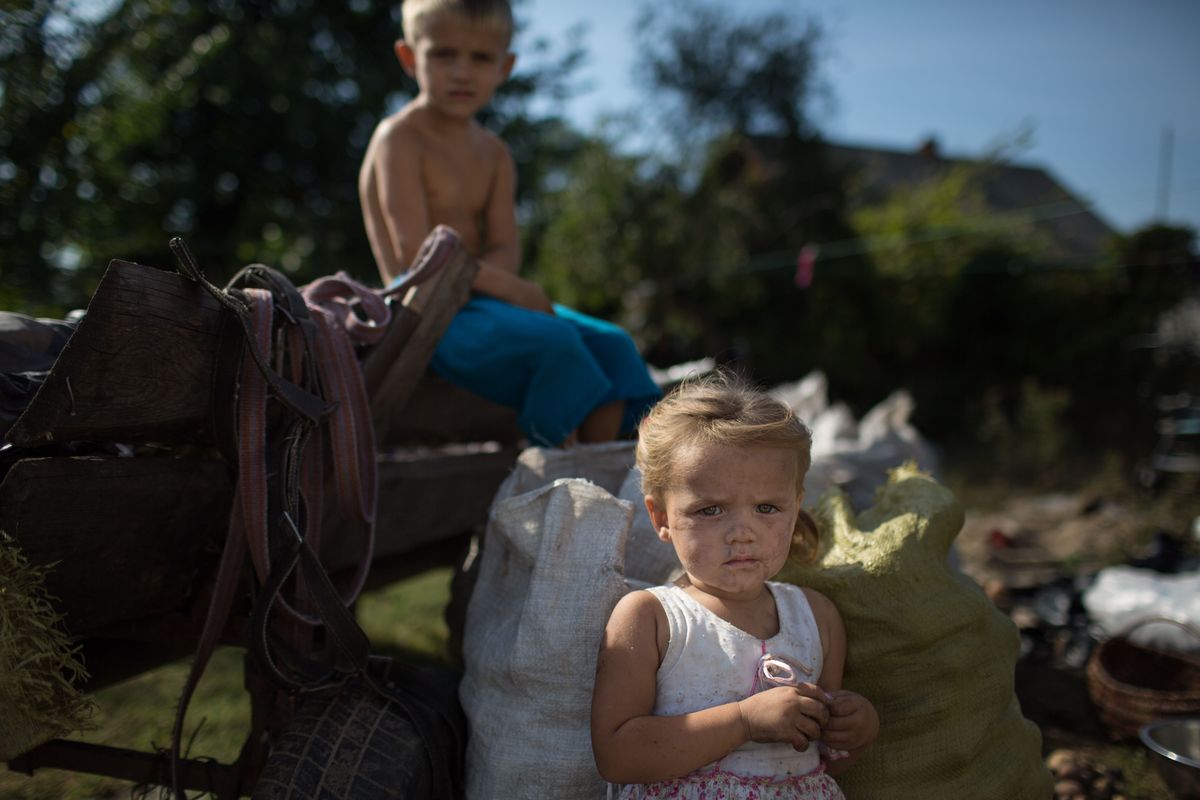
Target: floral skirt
{"points": [[717, 784]]}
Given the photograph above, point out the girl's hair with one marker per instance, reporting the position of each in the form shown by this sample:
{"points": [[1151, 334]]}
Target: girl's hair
{"points": [[722, 408], [415, 12]]}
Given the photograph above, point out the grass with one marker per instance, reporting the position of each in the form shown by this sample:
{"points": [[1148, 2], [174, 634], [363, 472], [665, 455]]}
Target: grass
{"points": [[139, 713]]}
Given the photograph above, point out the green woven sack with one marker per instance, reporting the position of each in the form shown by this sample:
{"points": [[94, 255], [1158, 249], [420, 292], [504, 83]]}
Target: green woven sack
{"points": [[928, 648], [38, 666]]}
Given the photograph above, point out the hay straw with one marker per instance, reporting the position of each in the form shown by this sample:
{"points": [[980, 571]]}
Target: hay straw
{"points": [[39, 666]]}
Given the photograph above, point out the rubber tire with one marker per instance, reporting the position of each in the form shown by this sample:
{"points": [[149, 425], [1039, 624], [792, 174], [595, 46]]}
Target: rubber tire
{"points": [[354, 745]]}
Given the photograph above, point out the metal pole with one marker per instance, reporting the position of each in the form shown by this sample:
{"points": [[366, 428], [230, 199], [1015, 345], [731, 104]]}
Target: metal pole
{"points": [[1164, 173]]}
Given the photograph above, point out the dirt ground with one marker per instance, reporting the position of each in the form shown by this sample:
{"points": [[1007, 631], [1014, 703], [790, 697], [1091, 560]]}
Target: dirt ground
{"points": [[1034, 554]]}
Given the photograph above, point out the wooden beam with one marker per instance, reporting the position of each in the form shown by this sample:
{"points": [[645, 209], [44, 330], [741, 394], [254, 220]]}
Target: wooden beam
{"points": [[110, 661], [124, 538], [438, 412], [394, 366], [424, 498], [222, 780], [153, 360]]}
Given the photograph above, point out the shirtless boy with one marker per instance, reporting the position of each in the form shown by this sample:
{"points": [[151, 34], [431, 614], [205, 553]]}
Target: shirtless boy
{"points": [[571, 377]]}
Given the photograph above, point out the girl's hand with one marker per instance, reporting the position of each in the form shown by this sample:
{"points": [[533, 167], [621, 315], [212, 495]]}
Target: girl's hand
{"points": [[853, 722], [792, 714]]}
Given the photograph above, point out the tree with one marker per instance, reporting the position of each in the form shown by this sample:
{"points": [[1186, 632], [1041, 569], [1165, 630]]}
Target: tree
{"points": [[239, 125], [1160, 265], [754, 187], [747, 75]]}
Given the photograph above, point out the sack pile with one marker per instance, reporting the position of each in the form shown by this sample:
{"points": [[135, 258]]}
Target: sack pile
{"points": [[551, 570], [925, 644], [927, 647]]}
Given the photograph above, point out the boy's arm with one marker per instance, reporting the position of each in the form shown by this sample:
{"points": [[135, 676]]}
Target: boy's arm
{"points": [[501, 259], [502, 249], [394, 207], [632, 745]]}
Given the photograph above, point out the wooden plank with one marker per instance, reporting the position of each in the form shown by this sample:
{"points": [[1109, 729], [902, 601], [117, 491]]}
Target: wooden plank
{"points": [[384, 355], [441, 413], [125, 649], [429, 497], [147, 363], [424, 498], [222, 780], [394, 366], [110, 661], [127, 537]]}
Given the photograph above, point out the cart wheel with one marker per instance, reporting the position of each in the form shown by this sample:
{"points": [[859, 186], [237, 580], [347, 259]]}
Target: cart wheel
{"points": [[352, 745]]}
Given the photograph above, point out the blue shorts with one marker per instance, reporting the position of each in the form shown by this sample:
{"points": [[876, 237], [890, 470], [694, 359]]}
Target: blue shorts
{"points": [[554, 370]]}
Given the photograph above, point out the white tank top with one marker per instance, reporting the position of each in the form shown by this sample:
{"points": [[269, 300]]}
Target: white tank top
{"points": [[710, 662]]}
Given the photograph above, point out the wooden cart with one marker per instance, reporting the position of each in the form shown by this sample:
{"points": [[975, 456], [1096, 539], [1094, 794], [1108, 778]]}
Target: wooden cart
{"points": [[151, 370]]}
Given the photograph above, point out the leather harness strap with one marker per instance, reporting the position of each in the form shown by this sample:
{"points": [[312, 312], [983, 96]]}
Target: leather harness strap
{"points": [[252, 401], [315, 347], [321, 363]]}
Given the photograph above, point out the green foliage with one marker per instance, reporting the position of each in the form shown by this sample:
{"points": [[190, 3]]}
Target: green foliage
{"points": [[695, 266], [1033, 434], [694, 249], [730, 72], [241, 126], [935, 229], [1004, 344], [238, 125], [1158, 265], [600, 232]]}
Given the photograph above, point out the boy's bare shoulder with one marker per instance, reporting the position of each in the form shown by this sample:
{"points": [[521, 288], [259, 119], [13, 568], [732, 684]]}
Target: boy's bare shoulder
{"points": [[402, 127], [493, 139], [494, 148]]}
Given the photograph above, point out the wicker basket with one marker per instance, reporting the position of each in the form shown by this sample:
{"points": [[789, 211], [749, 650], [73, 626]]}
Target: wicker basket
{"points": [[1130, 684]]}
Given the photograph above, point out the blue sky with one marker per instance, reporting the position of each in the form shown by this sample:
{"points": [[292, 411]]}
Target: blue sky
{"points": [[1097, 82]]}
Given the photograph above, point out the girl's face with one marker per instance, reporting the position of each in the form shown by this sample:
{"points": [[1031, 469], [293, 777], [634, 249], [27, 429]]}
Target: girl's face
{"points": [[730, 513]]}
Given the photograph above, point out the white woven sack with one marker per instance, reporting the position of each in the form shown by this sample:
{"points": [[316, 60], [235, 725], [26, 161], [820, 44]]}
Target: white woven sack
{"points": [[648, 559], [605, 464], [549, 576]]}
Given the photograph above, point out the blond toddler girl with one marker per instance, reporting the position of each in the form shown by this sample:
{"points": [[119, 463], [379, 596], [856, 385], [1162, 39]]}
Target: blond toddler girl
{"points": [[726, 684]]}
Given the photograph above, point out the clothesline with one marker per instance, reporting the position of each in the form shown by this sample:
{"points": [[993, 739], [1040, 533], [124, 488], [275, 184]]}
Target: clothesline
{"points": [[810, 255]]}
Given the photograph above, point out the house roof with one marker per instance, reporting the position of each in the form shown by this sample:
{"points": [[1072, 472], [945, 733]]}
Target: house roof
{"points": [[1027, 194]]}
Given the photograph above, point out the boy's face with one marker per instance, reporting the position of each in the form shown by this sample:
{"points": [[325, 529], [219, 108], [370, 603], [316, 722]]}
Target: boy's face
{"points": [[730, 513], [458, 62]]}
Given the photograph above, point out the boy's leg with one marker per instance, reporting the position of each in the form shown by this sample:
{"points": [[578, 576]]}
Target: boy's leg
{"points": [[533, 362], [633, 390], [603, 424]]}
